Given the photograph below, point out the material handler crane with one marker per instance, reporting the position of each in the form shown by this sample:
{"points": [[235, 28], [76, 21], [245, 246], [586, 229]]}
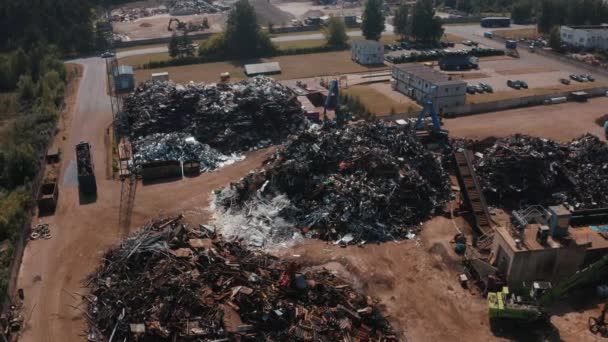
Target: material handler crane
{"points": [[507, 305]]}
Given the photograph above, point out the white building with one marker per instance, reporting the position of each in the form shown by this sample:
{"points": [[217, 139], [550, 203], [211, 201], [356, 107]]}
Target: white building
{"points": [[367, 52], [588, 37], [423, 83]]}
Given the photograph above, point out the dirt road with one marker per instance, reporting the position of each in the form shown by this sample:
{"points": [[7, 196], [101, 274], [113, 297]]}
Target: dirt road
{"points": [[52, 270], [559, 122], [415, 280]]}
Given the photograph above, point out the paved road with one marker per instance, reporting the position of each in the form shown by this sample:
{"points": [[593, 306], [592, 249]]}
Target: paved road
{"points": [[52, 270], [287, 38]]}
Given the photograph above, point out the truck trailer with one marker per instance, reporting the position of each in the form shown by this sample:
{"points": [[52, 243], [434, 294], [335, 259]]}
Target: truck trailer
{"points": [[86, 170]]}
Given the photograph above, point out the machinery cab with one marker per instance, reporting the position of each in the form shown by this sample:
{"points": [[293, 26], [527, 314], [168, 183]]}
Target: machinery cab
{"points": [[428, 131]]}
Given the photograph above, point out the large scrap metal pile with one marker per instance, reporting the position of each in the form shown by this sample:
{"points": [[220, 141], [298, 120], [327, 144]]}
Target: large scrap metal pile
{"points": [[170, 282], [187, 7], [228, 117], [526, 170], [364, 182]]}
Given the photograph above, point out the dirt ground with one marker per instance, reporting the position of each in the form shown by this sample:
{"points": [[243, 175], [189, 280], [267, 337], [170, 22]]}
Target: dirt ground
{"points": [[293, 67], [561, 122], [532, 91], [377, 99], [416, 280], [303, 9], [156, 26]]}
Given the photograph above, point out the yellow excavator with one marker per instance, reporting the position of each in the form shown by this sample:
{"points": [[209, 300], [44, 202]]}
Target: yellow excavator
{"points": [[187, 27], [530, 307]]}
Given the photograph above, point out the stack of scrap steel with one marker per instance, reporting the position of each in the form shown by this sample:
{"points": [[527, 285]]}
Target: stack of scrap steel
{"points": [[178, 146], [365, 182], [228, 117], [526, 170], [171, 282], [187, 7]]}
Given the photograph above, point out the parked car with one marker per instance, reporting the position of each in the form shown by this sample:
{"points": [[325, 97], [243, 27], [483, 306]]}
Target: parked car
{"points": [[523, 84], [564, 81], [575, 78], [471, 89], [590, 78], [486, 87], [514, 84], [467, 42], [478, 88], [107, 54]]}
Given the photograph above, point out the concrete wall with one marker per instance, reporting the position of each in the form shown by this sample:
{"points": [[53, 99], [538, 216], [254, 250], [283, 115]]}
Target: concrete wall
{"points": [[162, 40], [461, 20], [292, 29], [549, 264], [477, 108]]}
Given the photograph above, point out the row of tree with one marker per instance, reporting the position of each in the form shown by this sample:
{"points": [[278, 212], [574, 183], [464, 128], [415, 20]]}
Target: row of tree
{"points": [[422, 24], [66, 24], [242, 37], [39, 92], [570, 12]]}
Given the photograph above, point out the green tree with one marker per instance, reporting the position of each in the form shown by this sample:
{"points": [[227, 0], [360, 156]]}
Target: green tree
{"points": [[425, 25], [185, 45], [522, 11], [373, 20], [335, 32], [465, 6], [25, 90], [174, 46], [400, 20], [213, 46], [243, 36], [555, 40]]}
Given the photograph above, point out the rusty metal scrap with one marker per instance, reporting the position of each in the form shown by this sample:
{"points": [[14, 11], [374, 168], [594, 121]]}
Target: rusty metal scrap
{"points": [[365, 182], [171, 282], [234, 117], [521, 168]]}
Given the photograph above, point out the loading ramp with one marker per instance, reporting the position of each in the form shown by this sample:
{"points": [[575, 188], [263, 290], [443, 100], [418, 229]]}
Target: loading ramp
{"points": [[472, 194]]}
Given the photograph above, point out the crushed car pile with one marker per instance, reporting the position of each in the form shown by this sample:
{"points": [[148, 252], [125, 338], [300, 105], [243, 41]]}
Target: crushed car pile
{"points": [[171, 282], [230, 118], [365, 182], [526, 170]]}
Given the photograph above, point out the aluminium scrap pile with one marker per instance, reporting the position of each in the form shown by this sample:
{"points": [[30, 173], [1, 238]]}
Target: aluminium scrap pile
{"points": [[535, 170], [178, 146], [230, 118], [171, 282], [365, 182]]}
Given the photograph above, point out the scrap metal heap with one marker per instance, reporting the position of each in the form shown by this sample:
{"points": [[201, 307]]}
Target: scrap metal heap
{"points": [[364, 182], [178, 146], [228, 117], [171, 282], [187, 7], [535, 170]]}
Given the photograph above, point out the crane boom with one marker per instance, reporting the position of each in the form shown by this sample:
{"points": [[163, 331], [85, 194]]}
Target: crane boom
{"points": [[587, 275]]}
